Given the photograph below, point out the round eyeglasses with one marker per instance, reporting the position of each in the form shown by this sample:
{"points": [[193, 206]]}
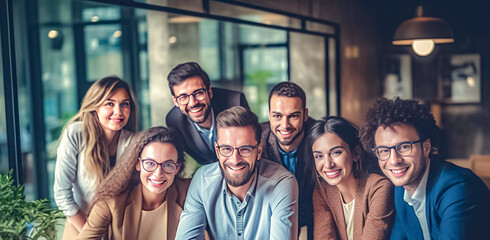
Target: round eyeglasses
{"points": [[243, 151], [151, 165], [403, 149], [199, 95]]}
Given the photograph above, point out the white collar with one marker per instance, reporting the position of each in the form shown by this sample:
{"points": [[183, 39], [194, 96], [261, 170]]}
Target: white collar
{"points": [[420, 192]]}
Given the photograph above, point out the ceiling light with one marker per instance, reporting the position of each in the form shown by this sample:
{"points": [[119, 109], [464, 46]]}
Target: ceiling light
{"points": [[423, 33]]}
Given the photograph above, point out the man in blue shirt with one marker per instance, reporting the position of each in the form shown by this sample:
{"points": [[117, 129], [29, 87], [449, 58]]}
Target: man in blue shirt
{"points": [[242, 196], [434, 199], [284, 142]]}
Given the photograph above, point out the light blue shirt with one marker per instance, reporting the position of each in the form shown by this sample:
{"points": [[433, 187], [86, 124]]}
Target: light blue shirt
{"points": [[208, 135], [268, 211], [417, 201]]}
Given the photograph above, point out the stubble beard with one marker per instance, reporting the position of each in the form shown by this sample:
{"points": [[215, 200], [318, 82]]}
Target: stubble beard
{"points": [[238, 181], [206, 115]]}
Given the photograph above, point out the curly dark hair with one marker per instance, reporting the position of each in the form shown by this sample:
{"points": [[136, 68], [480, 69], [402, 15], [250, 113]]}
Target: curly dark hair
{"points": [[388, 112], [124, 176]]}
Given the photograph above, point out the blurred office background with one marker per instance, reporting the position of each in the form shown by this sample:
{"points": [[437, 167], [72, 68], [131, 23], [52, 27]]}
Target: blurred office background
{"points": [[340, 52]]}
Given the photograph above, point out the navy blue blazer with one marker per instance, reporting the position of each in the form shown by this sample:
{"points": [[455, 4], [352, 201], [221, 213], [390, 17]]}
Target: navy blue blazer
{"points": [[194, 144], [457, 206]]}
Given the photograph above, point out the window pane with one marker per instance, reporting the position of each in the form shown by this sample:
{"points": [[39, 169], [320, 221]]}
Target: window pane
{"points": [[308, 70], [253, 15], [260, 35], [103, 51], [59, 89], [95, 13], [264, 67]]}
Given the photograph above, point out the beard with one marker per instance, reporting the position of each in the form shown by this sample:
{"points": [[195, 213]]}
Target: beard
{"points": [[204, 117], [287, 142], [238, 180]]}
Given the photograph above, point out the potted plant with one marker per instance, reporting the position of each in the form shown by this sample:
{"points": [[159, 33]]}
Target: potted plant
{"points": [[24, 220]]}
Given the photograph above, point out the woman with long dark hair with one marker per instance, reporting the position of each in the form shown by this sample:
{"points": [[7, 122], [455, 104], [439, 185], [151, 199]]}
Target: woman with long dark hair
{"points": [[142, 197], [348, 202]]}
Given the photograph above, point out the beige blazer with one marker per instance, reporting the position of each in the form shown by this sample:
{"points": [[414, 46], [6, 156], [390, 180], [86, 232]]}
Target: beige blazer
{"points": [[374, 212], [119, 217]]}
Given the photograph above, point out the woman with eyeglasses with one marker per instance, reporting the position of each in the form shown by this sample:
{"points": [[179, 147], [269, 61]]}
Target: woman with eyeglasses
{"points": [[142, 197], [90, 145], [348, 202]]}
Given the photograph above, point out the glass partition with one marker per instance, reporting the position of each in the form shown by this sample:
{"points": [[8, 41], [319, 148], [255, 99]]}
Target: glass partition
{"points": [[253, 15], [82, 41]]}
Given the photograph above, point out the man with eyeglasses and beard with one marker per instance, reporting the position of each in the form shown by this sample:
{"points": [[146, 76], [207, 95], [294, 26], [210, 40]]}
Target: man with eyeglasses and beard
{"points": [[196, 107], [434, 199], [284, 142], [242, 196]]}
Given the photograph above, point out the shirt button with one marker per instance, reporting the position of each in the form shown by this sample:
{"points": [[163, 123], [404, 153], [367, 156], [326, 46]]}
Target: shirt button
{"points": [[239, 234]]}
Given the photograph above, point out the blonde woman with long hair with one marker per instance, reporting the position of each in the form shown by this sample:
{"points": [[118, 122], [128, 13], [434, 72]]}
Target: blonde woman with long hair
{"points": [[90, 145]]}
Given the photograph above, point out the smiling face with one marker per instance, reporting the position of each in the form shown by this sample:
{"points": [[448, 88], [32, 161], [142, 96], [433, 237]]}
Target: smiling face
{"points": [[156, 183], [197, 111], [114, 112], [403, 171], [286, 116], [236, 169], [333, 159]]}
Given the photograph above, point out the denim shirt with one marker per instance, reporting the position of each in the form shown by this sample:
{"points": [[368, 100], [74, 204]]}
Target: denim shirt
{"points": [[268, 211]]}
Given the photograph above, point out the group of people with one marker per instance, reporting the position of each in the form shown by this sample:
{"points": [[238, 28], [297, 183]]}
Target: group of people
{"points": [[292, 175]]}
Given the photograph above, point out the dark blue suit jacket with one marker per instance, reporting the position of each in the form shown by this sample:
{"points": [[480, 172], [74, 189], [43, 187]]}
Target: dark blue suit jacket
{"points": [[457, 206], [194, 144]]}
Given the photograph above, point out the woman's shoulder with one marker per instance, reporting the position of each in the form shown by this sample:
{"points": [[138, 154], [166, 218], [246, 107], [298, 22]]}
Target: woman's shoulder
{"points": [[326, 189], [182, 183], [74, 127], [376, 181]]}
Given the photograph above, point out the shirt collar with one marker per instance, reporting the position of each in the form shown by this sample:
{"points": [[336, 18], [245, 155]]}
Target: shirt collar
{"points": [[292, 153], [202, 130], [420, 192]]}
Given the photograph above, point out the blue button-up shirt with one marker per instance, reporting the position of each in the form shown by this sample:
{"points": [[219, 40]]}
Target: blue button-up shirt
{"points": [[289, 159], [268, 211]]}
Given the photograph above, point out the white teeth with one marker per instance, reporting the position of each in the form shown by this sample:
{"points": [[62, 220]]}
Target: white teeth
{"points": [[332, 173], [236, 168], [285, 133], [399, 171], [157, 182], [196, 110]]}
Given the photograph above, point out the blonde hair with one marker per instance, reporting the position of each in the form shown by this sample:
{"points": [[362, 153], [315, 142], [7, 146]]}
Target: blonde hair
{"points": [[95, 146]]}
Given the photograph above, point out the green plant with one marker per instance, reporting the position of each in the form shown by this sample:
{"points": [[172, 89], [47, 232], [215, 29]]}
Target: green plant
{"points": [[24, 220]]}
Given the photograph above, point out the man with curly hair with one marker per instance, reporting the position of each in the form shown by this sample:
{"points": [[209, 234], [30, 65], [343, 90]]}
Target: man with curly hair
{"points": [[434, 199]]}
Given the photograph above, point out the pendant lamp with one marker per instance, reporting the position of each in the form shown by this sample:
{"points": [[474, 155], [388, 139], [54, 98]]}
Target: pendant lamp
{"points": [[423, 33]]}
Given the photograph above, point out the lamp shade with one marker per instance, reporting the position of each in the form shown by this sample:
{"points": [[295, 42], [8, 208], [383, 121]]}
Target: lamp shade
{"points": [[420, 28]]}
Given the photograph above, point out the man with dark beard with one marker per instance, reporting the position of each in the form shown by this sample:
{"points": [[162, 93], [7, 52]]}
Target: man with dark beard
{"points": [[284, 142], [242, 196], [196, 106]]}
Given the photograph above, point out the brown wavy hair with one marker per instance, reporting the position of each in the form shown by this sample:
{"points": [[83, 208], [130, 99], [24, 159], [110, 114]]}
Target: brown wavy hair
{"points": [[124, 176], [96, 154]]}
